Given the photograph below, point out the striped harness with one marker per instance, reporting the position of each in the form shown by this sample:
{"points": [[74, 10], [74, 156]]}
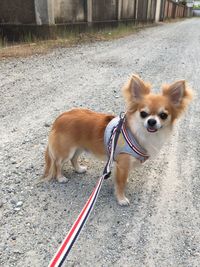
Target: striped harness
{"points": [[126, 142]]}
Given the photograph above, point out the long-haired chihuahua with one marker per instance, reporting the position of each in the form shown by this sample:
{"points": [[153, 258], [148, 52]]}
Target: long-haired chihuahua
{"points": [[149, 121]]}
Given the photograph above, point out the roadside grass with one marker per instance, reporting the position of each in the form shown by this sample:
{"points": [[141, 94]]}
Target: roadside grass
{"points": [[32, 46], [172, 20], [3, 42]]}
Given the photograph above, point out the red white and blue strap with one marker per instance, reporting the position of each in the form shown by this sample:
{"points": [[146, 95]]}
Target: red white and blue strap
{"points": [[133, 146], [74, 232]]}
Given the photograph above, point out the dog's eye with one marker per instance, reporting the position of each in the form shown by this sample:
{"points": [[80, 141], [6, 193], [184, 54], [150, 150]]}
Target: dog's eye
{"points": [[143, 114], [163, 115]]}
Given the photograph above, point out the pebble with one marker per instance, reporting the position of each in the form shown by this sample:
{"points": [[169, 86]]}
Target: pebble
{"points": [[45, 207], [47, 124], [13, 237], [9, 190], [17, 208], [18, 251], [19, 204]]}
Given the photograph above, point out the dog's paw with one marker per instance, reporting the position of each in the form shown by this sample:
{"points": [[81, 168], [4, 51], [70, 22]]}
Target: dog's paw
{"points": [[123, 201], [62, 179], [81, 169]]}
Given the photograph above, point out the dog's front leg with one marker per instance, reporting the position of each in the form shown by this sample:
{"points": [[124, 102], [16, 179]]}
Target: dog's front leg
{"points": [[123, 164]]}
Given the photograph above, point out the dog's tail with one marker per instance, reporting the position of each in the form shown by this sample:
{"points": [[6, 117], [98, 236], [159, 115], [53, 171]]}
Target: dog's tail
{"points": [[50, 166]]}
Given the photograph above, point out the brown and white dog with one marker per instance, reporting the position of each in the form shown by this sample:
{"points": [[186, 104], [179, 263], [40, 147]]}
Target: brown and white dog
{"points": [[149, 117]]}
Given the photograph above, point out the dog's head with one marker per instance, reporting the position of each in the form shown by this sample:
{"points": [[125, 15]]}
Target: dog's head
{"points": [[155, 112]]}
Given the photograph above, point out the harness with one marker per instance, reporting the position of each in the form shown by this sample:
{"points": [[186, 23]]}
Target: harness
{"points": [[126, 141]]}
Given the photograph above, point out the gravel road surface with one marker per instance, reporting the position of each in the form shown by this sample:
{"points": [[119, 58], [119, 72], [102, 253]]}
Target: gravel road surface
{"points": [[161, 227]]}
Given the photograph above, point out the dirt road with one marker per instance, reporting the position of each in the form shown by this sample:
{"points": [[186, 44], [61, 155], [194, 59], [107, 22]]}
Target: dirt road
{"points": [[161, 227]]}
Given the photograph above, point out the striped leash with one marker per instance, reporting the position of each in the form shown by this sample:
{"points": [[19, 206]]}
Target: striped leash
{"points": [[76, 228]]}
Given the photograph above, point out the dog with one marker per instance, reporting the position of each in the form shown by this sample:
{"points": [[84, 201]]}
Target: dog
{"points": [[149, 120]]}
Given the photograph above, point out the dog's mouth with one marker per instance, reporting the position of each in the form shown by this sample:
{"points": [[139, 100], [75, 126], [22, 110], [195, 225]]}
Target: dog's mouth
{"points": [[152, 130]]}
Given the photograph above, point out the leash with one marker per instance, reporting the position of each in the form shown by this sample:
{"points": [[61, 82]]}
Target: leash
{"points": [[76, 228]]}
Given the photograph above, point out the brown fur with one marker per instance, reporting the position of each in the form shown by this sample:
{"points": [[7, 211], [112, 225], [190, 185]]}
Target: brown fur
{"points": [[82, 129]]}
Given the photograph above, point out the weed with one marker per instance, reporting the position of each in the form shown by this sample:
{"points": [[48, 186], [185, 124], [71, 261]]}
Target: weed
{"points": [[30, 45]]}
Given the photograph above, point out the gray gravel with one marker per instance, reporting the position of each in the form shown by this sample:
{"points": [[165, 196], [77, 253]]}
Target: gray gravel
{"points": [[161, 227]]}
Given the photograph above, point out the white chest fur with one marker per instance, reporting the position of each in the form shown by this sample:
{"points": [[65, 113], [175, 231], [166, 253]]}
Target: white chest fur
{"points": [[151, 142]]}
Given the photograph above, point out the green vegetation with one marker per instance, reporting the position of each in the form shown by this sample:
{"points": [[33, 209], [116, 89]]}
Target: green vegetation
{"points": [[29, 44], [196, 7], [3, 42]]}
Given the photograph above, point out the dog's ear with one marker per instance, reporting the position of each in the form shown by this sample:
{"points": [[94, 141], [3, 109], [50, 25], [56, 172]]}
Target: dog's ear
{"points": [[179, 95], [177, 92], [135, 90], [137, 87]]}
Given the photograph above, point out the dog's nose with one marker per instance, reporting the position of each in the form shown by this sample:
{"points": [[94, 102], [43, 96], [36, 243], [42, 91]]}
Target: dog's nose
{"points": [[151, 122]]}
